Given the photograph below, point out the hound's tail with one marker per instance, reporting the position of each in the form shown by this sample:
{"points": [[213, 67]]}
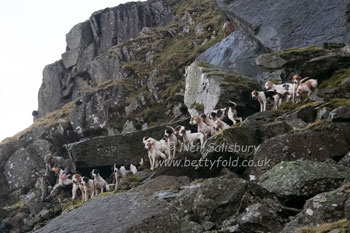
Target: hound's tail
{"points": [[170, 128], [141, 162], [304, 79], [234, 104]]}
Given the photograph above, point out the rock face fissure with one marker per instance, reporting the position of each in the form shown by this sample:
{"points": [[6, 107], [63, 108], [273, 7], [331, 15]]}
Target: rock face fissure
{"points": [[76, 72]]}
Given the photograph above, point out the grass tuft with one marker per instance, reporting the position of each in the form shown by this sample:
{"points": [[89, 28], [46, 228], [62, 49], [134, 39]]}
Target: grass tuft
{"points": [[336, 78], [341, 224], [133, 179]]}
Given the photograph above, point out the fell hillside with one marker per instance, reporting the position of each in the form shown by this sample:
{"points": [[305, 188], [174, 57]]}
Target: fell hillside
{"points": [[130, 71]]}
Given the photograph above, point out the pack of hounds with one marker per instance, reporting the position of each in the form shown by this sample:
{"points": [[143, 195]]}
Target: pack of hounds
{"points": [[208, 124], [96, 184], [285, 92]]}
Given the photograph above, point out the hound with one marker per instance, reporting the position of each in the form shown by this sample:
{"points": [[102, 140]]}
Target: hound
{"points": [[156, 149], [99, 183], [305, 85], [189, 139], [285, 89], [232, 113], [263, 96], [63, 180], [88, 187], [218, 124], [220, 113], [202, 127], [171, 140], [125, 170], [77, 185], [207, 120]]}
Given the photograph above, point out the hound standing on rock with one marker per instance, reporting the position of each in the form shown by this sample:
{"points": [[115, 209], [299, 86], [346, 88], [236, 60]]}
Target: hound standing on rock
{"points": [[88, 187], [305, 85], [189, 139], [202, 127], [285, 89], [76, 178], [171, 140], [99, 183], [156, 150], [125, 170], [232, 113], [218, 124], [263, 96]]}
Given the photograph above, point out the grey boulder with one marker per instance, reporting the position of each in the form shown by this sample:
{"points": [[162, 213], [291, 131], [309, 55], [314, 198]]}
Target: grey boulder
{"points": [[303, 178], [124, 212], [307, 22]]}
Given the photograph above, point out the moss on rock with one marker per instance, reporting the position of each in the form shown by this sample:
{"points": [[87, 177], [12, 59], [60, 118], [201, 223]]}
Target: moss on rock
{"points": [[340, 225], [336, 79]]}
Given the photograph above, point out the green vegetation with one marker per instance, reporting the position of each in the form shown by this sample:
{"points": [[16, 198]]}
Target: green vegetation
{"points": [[172, 52], [133, 179], [204, 64], [105, 194], [332, 104], [18, 204], [297, 51], [136, 66], [341, 224], [71, 205], [153, 115], [170, 92], [110, 83], [289, 106], [315, 125], [199, 107], [337, 102], [181, 49], [336, 79]]}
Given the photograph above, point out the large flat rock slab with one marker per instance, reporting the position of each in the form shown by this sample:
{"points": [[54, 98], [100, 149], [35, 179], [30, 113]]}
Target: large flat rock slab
{"points": [[120, 149], [123, 212]]}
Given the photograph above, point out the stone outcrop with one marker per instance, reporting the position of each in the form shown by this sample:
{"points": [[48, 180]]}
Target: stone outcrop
{"points": [[322, 208], [315, 144], [107, 150], [78, 69], [126, 212], [284, 24], [236, 53], [303, 178], [208, 88]]}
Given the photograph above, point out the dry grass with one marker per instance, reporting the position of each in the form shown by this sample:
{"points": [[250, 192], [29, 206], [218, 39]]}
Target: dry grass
{"points": [[341, 224]]}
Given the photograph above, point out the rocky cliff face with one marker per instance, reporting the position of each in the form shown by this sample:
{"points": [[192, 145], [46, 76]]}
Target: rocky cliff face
{"points": [[77, 72], [131, 70], [285, 24]]}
